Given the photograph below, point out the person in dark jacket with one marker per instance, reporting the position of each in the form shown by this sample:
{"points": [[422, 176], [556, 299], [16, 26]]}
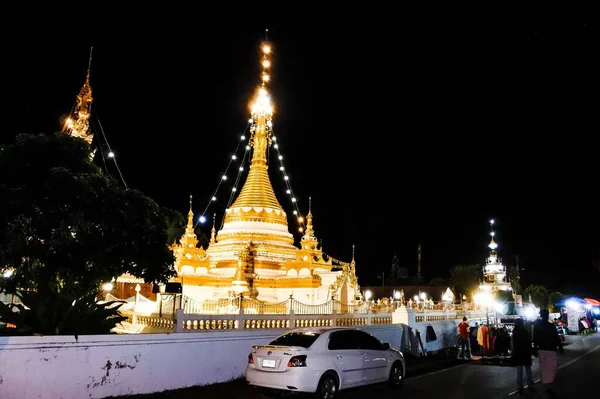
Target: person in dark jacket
{"points": [[546, 342], [521, 354]]}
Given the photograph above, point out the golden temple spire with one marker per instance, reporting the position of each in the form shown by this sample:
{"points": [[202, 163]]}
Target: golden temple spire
{"points": [[78, 123], [190, 223], [257, 190], [353, 262], [213, 231], [309, 225]]}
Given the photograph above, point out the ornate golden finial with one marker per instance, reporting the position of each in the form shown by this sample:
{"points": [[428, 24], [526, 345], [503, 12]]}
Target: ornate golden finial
{"points": [[189, 229], [310, 232], [213, 231], [78, 123], [352, 262], [262, 111], [257, 190]]}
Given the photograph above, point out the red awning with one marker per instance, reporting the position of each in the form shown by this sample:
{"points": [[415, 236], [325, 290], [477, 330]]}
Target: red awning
{"points": [[592, 301]]}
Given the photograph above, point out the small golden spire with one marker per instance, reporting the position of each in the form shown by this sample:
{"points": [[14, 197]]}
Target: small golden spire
{"points": [[309, 224], [189, 229], [213, 231], [78, 123]]}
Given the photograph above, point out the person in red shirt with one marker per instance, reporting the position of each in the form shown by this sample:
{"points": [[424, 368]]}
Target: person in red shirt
{"points": [[463, 339]]}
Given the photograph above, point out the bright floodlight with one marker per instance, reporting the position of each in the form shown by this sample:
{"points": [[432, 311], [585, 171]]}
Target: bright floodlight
{"points": [[491, 221], [111, 154], [202, 219], [107, 286], [368, 295], [397, 295], [423, 296]]}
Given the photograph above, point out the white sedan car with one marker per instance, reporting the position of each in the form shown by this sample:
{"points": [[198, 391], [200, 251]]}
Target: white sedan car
{"points": [[323, 360]]}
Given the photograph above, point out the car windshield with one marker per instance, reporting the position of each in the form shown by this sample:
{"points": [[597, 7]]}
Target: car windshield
{"points": [[303, 339]]}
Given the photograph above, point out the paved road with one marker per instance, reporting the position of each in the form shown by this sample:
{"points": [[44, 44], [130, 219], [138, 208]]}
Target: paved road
{"points": [[579, 376]]}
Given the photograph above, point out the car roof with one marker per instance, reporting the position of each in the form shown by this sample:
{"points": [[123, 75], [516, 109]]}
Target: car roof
{"points": [[319, 330]]}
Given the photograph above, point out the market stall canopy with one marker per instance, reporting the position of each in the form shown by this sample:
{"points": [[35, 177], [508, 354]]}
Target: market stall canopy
{"points": [[592, 301], [571, 300]]}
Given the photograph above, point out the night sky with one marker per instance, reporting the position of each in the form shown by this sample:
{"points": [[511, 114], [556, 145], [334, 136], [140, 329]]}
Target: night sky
{"points": [[401, 134]]}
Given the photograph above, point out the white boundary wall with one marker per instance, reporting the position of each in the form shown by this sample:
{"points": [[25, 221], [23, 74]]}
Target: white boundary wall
{"points": [[100, 366]]}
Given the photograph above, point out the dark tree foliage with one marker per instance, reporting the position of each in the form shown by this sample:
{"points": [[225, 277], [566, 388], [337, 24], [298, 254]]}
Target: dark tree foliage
{"points": [[66, 228]]}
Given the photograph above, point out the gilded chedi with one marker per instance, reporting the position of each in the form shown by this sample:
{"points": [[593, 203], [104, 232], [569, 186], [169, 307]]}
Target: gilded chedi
{"points": [[253, 253]]}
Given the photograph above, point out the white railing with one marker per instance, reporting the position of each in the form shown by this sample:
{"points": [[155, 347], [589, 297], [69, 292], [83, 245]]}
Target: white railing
{"points": [[194, 322]]}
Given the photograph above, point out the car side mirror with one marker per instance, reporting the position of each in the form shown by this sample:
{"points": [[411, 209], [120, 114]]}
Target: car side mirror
{"points": [[385, 346]]}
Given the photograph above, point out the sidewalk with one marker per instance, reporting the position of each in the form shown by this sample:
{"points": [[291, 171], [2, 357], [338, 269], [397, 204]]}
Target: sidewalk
{"points": [[238, 389]]}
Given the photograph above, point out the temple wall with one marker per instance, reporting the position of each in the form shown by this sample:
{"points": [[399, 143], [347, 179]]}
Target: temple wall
{"points": [[111, 365]]}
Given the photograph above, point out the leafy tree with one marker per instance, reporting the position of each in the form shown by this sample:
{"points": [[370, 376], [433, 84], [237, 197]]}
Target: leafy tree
{"points": [[66, 228], [465, 278], [539, 295], [175, 222], [514, 278], [553, 299]]}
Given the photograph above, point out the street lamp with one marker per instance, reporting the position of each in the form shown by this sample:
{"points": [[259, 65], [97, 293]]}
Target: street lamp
{"points": [[486, 300], [398, 297], [138, 288]]}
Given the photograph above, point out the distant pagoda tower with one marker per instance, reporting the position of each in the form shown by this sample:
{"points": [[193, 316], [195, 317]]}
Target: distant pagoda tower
{"points": [[78, 123], [494, 272]]}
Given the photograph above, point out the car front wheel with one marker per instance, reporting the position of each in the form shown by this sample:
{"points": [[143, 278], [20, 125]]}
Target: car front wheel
{"points": [[396, 375]]}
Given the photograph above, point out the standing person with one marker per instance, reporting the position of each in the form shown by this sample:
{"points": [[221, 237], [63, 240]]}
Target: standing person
{"points": [[463, 337], [521, 354], [546, 341]]}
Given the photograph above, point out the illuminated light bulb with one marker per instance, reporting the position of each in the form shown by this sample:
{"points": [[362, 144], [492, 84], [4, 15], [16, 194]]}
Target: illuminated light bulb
{"points": [[243, 138], [266, 78], [293, 199], [250, 120], [276, 146], [492, 221], [280, 157], [295, 212], [266, 63], [241, 169], [214, 198], [233, 189], [247, 147], [274, 138], [492, 234], [266, 49], [285, 178], [289, 192], [233, 157], [300, 229], [281, 168], [224, 177], [202, 219], [111, 154], [300, 219], [262, 92]]}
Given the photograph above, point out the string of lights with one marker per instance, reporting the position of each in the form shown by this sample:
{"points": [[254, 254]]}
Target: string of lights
{"points": [[213, 198], [289, 191], [237, 179], [111, 154]]}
